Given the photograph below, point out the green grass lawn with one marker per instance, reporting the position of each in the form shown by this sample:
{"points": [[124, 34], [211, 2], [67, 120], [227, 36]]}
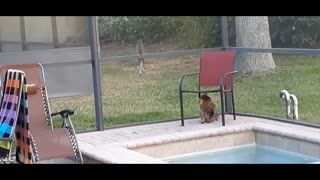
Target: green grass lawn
{"points": [[129, 97]]}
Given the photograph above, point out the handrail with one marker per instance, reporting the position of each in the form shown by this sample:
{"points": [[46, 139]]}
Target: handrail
{"points": [[294, 99], [290, 98]]}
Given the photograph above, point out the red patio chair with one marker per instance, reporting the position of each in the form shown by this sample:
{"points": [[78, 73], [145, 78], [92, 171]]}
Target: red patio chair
{"points": [[216, 71]]}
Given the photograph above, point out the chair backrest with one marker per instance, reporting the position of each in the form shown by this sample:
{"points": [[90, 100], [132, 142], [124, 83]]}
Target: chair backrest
{"points": [[213, 64], [37, 112], [31, 71]]}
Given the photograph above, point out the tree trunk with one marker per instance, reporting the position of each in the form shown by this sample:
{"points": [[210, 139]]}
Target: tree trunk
{"points": [[253, 31]]}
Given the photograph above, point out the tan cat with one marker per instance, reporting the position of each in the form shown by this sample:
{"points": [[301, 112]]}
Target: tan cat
{"points": [[208, 112]]}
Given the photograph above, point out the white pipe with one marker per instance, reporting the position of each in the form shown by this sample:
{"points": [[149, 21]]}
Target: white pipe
{"points": [[285, 95], [294, 99]]}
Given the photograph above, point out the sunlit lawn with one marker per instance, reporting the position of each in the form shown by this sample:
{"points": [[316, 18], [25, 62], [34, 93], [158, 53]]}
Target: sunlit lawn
{"points": [[129, 97]]}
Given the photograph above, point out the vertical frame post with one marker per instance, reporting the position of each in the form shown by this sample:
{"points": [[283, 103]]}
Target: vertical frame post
{"points": [[23, 34], [54, 32], [94, 46], [225, 44], [224, 31]]}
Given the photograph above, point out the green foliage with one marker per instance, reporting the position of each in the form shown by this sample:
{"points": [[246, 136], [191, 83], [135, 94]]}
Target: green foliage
{"points": [[190, 31], [197, 31], [203, 31], [132, 28], [287, 31], [295, 31]]}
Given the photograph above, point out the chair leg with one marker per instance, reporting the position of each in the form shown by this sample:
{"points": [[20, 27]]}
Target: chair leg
{"points": [[181, 108], [35, 155], [222, 107], [233, 108], [199, 94]]}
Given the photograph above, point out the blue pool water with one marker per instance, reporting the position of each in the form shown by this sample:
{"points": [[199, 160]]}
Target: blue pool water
{"points": [[248, 154]]}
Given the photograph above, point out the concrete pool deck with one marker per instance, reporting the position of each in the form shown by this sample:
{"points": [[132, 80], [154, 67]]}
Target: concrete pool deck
{"points": [[127, 145]]}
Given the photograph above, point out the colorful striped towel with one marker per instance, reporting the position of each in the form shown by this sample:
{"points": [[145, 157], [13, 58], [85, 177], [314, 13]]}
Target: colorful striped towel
{"points": [[14, 116], [8, 109]]}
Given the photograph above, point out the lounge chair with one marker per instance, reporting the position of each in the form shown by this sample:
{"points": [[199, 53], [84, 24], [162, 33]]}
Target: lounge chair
{"points": [[47, 142]]}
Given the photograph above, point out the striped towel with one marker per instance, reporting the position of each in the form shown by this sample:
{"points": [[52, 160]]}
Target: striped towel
{"points": [[8, 109], [14, 116]]}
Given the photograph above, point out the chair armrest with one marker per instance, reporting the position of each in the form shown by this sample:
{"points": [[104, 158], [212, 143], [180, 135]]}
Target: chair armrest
{"points": [[182, 78], [34, 87], [224, 76], [6, 139], [64, 113]]}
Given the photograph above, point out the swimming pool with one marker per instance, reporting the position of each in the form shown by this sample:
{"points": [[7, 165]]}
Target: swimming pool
{"points": [[264, 139], [154, 149], [245, 154]]}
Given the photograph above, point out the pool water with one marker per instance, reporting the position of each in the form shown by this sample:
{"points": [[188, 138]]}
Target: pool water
{"points": [[247, 154]]}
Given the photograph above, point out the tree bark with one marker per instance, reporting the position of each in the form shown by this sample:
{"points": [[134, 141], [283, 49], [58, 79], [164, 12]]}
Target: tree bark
{"points": [[253, 31]]}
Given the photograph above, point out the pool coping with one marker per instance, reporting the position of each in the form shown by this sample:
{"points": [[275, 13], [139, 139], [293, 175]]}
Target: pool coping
{"points": [[124, 152]]}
